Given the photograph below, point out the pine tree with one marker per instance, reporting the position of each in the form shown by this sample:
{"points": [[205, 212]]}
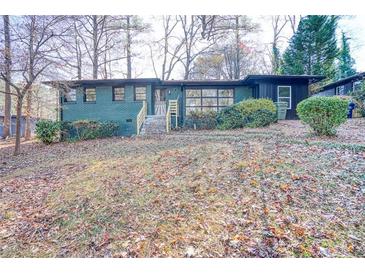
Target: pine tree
{"points": [[346, 62], [313, 48]]}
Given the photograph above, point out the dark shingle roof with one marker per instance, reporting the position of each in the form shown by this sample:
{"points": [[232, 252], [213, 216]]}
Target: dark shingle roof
{"points": [[247, 80], [343, 81]]}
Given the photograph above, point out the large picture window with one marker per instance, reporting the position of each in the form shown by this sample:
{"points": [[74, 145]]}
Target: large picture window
{"points": [[208, 99], [69, 95], [284, 95], [140, 93], [90, 95], [118, 93]]}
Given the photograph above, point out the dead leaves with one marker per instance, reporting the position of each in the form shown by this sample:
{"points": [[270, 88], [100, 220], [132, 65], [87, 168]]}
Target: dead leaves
{"points": [[228, 194], [284, 187], [298, 230]]}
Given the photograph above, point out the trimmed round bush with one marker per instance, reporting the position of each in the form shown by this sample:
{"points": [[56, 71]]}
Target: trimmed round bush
{"points": [[323, 114], [247, 113], [47, 131], [260, 118], [247, 107], [198, 119], [229, 118]]}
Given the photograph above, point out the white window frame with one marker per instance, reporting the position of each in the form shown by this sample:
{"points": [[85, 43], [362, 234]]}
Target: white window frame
{"points": [[290, 103]]}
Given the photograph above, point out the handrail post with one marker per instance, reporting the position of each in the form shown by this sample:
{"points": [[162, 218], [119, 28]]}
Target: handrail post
{"points": [[141, 116]]}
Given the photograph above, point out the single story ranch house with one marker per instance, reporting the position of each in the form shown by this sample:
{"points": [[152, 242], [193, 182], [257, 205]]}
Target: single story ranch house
{"points": [[134, 103], [343, 86]]}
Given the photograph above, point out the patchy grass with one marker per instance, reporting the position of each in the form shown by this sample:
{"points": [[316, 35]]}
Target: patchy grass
{"points": [[273, 192]]}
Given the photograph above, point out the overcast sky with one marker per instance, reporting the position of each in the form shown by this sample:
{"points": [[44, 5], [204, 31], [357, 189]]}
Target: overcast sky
{"points": [[354, 26]]}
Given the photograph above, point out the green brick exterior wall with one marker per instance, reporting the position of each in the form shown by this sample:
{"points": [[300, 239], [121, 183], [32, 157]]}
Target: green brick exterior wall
{"points": [[105, 109]]}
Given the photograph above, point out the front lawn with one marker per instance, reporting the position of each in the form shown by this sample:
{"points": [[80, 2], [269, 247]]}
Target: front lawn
{"points": [[273, 192]]}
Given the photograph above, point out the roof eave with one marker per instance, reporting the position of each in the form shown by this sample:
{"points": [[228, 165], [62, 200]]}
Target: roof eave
{"points": [[357, 76]]}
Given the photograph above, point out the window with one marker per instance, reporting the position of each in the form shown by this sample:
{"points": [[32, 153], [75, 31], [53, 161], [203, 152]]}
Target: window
{"points": [[284, 95], [140, 93], [340, 90], [69, 95], [208, 99], [89, 95], [118, 94], [357, 86]]}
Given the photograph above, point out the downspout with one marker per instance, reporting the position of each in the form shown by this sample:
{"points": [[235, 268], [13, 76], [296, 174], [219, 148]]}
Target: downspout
{"points": [[60, 111]]}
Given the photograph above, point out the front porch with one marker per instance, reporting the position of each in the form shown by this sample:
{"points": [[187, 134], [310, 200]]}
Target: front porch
{"points": [[166, 116]]}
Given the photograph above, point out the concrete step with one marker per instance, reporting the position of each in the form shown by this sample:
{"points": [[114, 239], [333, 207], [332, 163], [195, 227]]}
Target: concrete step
{"points": [[154, 125]]}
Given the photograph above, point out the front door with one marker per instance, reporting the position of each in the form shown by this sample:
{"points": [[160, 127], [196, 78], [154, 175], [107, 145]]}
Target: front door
{"points": [[160, 101]]}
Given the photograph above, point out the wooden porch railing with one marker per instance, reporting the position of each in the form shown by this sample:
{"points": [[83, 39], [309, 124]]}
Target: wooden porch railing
{"points": [[172, 109], [141, 117], [168, 119]]}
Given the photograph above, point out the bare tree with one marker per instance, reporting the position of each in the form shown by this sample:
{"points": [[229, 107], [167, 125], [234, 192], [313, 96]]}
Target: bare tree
{"points": [[293, 22], [128, 46], [92, 31], [72, 53], [7, 72], [35, 47], [193, 43], [220, 61], [231, 30], [132, 26], [168, 48], [209, 66], [278, 24]]}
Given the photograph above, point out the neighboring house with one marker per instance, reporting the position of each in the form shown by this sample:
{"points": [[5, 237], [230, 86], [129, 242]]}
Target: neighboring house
{"points": [[13, 124], [343, 86], [129, 101]]}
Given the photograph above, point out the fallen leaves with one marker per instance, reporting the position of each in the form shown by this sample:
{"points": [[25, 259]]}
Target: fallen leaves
{"points": [[244, 193], [284, 187], [298, 230]]}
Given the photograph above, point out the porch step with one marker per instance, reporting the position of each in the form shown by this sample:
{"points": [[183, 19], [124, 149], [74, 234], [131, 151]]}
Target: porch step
{"points": [[153, 125]]}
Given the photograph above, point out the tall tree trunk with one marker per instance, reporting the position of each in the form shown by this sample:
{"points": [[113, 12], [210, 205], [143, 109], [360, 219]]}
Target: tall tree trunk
{"points": [[129, 42], [95, 47], [165, 49], [237, 61], [105, 57], [275, 58], [27, 133], [7, 104], [28, 123], [78, 55], [79, 76], [187, 71], [19, 105]]}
